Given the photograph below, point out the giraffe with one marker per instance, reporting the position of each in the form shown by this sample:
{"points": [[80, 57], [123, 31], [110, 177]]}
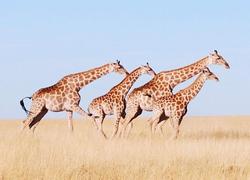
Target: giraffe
{"points": [[162, 85], [64, 95], [174, 107], [114, 101]]}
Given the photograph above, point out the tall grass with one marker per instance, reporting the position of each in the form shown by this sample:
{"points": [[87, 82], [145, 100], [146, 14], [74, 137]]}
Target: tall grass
{"points": [[207, 148]]}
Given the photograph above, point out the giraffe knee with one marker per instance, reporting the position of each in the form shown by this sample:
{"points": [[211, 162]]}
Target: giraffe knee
{"points": [[116, 124]]}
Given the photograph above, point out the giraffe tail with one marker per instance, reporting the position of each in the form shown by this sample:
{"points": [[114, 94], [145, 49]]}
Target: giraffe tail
{"points": [[92, 115], [23, 106], [89, 113]]}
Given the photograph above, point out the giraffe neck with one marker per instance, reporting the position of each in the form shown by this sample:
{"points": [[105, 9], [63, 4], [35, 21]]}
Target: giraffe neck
{"points": [[180, 75], [84, 78], [124, 87], [191, 91]]}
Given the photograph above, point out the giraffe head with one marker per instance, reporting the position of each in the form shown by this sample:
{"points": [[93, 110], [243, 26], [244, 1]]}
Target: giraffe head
{"points": [[209, 75], [215, 58], [146, 69], [118, 68]]}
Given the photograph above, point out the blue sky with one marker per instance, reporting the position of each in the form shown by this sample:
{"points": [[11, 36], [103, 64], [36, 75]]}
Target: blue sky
{"points": [[40, 42]]}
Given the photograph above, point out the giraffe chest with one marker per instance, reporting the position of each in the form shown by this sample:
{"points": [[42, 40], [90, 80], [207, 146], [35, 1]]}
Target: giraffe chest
{"points": [[107, 108], [146, 103]]}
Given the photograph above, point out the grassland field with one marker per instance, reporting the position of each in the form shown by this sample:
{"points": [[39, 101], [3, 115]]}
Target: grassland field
{"points": [[207, 148]]}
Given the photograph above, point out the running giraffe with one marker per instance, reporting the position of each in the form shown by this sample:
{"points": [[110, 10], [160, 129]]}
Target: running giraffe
{"points": [[162, 85], [174, 107], [114, 101], [64, 95]]}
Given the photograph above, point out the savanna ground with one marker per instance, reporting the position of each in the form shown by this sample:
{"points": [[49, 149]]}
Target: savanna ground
{"points": [[207, 148]]}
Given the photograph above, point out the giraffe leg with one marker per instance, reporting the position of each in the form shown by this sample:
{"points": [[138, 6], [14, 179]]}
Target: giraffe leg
{"points": [[70, 121], [80, 111], [94, 122], [99, 123], [171, 122], [133, 113], [119, 133], [37, 119], [116, 127], [154, 124], [130, 125], [123, 128], [177, 130], [155, 120], [159, 126], [129, 128], [176, 120], [36, 109], [176, 126], [34, 127], [162, 121], [122, 121]]}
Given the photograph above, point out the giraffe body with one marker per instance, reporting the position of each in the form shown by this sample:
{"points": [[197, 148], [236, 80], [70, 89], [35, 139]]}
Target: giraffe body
{"points": [[114, 103], [174, 106], [64, 95], [162, 85]]}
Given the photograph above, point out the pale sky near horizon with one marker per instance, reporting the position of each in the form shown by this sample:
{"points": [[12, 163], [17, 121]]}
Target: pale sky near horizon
{"points": [[41, 41]]}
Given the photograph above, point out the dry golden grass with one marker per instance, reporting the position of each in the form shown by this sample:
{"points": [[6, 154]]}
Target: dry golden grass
{"points": [[207, 148]]}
